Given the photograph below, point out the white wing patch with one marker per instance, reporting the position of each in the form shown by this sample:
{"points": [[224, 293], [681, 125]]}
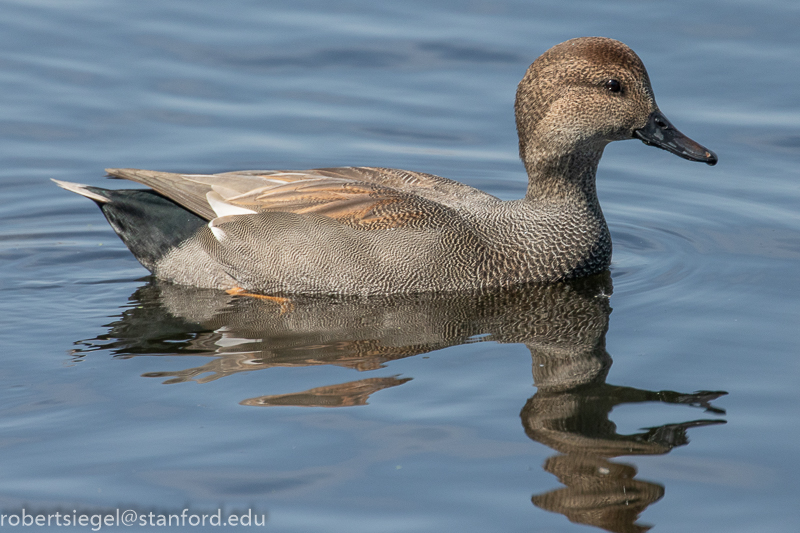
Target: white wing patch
{"points": [[215, 223], [223, 208], [218, 233]]}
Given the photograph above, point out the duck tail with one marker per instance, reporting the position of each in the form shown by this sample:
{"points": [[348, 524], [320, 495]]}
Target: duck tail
{"points": [[149, 224]]}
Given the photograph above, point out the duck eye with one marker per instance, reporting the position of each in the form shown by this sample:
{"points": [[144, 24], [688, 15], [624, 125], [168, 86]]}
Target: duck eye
{"points": [[613, 86]]}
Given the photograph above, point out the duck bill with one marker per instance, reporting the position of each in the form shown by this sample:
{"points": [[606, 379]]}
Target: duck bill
{"points": [[660, 132]]}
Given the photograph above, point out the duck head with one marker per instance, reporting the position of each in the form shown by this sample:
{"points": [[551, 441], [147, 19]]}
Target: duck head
{"points": [[584, 93]]}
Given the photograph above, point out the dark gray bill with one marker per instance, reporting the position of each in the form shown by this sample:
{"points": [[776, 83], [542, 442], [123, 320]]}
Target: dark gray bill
{"points": [[660, 132]]}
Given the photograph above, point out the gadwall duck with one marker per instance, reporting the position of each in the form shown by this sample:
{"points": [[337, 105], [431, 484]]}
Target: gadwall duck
{"points": [[365, 230]]}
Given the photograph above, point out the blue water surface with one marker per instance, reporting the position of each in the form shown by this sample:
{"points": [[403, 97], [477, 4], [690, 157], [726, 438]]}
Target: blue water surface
{"points": [[534, 411]]}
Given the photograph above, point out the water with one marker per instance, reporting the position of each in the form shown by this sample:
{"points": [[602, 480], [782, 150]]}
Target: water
{"points": [[413, 414]]}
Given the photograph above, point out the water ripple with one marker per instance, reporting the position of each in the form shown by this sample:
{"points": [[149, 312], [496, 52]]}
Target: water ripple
{"points": [[651, 258]]}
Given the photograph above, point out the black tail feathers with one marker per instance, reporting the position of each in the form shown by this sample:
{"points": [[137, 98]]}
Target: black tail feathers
{"points": [[149, 224]]}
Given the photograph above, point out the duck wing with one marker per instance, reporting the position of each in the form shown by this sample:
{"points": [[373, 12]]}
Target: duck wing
{"points": [[442, 190], [359, 197]]}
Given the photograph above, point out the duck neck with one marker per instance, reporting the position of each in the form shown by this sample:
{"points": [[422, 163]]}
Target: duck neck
{"points": [[563, 178]]}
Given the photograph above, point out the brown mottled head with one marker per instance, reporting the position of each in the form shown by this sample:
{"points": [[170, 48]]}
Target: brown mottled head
{"points": [[586, 92]]}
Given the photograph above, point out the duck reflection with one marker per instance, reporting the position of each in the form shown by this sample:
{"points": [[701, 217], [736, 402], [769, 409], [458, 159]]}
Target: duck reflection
{"points": [[242, 334], [575, 422], [570, 414], [563, 326]]}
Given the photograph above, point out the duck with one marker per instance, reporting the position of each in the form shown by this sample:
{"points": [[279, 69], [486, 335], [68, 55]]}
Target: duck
{"points": [[380, 231]]}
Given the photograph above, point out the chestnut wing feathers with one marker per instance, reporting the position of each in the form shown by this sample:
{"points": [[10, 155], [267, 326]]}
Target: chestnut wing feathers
{"points": [[360, 197]]}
